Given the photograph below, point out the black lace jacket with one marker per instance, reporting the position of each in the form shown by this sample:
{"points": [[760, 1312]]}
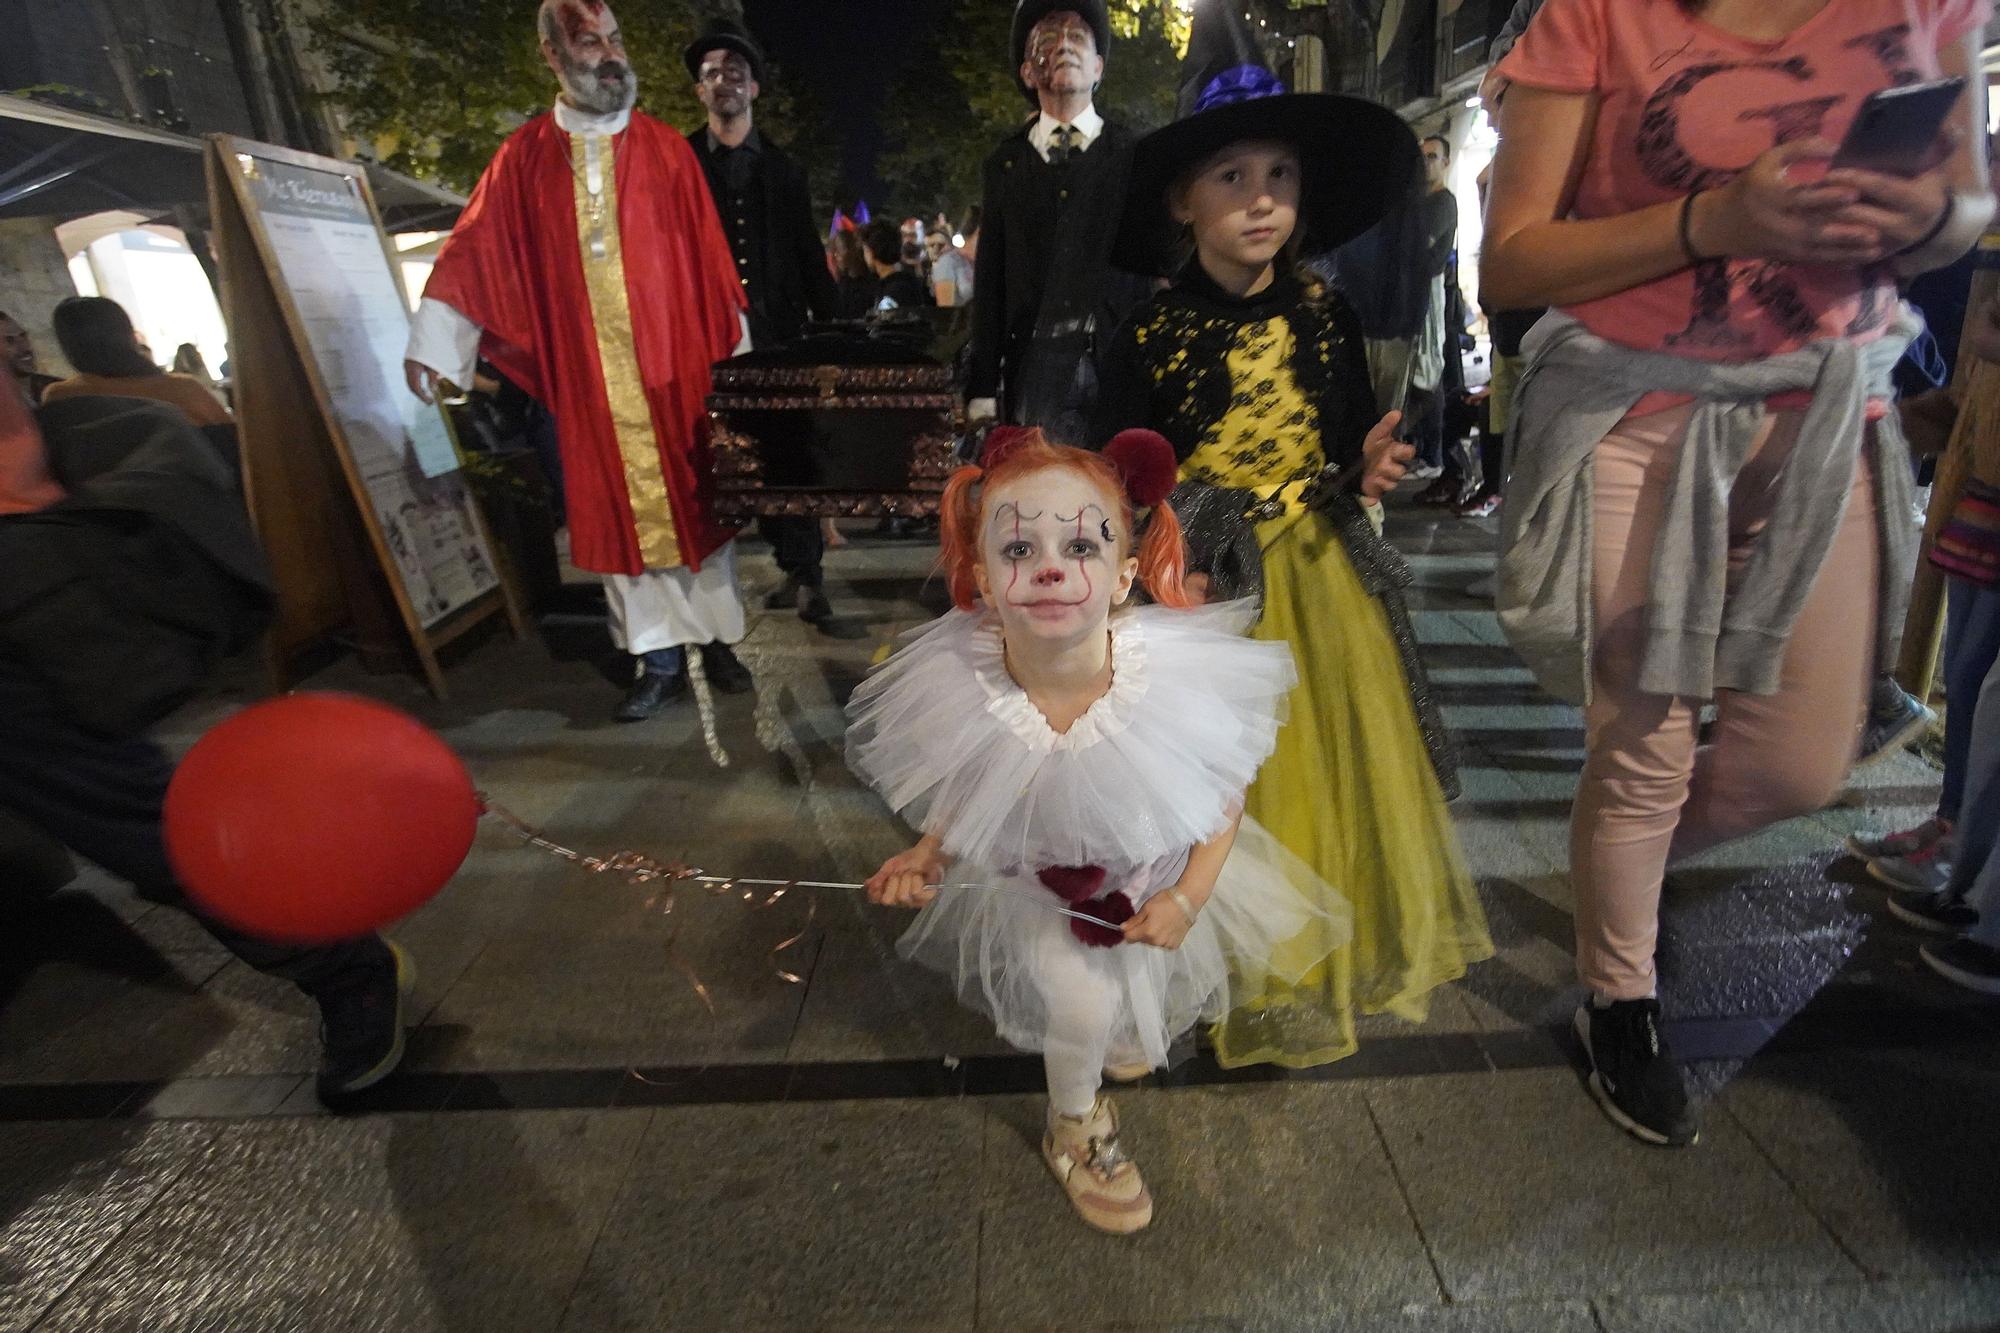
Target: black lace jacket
{"points": [[1167, 369]]}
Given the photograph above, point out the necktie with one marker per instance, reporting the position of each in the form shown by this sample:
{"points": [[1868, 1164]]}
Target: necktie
{"points": [[1062, 144]]}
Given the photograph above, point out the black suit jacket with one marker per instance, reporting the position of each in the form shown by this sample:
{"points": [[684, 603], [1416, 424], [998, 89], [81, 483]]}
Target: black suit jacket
{"points": [[1020, 255], [797, 285]]}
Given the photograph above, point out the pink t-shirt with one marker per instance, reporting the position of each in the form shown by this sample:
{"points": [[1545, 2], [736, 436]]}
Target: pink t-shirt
{"points": [[1684, 105]]}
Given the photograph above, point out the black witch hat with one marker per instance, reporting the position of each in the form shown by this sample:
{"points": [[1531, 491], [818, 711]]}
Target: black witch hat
{"points": [[724, 34], [1027, 13], [1357, 158]]}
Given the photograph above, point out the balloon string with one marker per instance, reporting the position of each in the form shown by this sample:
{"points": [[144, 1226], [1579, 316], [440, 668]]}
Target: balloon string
{"points": [[637, 868]]}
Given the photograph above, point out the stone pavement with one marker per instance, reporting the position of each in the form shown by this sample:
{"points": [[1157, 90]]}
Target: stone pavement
{"points": [[580, 1144]]}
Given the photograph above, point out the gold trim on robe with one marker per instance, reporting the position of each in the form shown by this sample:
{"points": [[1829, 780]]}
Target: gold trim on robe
{"points": [[596, 189]]}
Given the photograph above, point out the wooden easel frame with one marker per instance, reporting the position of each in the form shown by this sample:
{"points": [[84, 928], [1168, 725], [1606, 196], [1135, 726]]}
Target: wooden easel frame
{"points": [[325, 564]]}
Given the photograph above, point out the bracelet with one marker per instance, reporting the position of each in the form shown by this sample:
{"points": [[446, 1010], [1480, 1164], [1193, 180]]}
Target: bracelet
{"points": [[1937, 228], [1181, 901], [1684, 231]]}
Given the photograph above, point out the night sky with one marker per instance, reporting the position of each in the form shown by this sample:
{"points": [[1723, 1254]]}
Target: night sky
{"points": [[850, 51]]}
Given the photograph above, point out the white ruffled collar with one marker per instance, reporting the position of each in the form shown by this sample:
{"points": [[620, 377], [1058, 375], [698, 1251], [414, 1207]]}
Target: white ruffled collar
{"points": [[1108, 715], [1153, 767]]}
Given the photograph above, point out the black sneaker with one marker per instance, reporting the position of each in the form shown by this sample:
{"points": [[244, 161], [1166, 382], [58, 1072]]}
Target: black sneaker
{"points": [[1633, 1075], [1969, 963], [1942, 913], [361, 1027]]}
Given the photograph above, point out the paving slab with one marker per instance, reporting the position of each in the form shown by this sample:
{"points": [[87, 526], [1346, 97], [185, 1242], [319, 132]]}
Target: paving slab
{"points": [[411, 1223], [1273, 1205], [1888, 1307], [67, 1192], [1524, 1190], [863, 1002], [1478, 1317], [832, 1214], [1893, 1150]]}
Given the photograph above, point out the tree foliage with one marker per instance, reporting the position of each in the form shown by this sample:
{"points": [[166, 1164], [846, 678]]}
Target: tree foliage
{"points": [[958, 96], [433, 86]]}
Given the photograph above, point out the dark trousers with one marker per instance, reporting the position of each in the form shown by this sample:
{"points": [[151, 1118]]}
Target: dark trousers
{"points": [[799, 545], [103, 799]]}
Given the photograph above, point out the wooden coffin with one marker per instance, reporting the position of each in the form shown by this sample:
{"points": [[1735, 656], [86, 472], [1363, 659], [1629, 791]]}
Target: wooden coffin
{"points": [[832, 428]]}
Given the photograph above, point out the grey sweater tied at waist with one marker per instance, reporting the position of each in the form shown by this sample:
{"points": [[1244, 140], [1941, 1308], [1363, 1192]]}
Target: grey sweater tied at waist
{"points": [[1701, 635]]}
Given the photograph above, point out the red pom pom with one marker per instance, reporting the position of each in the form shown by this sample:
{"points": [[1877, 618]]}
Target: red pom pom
{"points": [[1072, 884], [1001, 441], [1146, 461], [1113, 911]]}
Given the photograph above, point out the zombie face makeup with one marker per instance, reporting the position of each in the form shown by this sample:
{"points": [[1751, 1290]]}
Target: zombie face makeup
{"points": [[726, 87], [581, 42], [1053, 561], [1062, 55]]}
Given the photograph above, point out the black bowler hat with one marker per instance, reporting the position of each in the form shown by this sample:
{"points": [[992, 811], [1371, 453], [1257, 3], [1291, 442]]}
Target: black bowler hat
{"points": [[1357, 157], [1028, 13], [725, 35]]}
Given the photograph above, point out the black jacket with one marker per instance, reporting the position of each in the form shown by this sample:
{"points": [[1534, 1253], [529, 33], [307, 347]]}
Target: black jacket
{"points": [[777, 237], [1044, 274], [123, 597]]}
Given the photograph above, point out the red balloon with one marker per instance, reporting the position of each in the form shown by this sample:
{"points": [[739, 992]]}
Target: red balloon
{"points": [[318, 817]]}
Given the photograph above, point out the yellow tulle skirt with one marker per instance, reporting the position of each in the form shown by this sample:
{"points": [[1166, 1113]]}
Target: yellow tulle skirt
{"points": [[1350, 790]]}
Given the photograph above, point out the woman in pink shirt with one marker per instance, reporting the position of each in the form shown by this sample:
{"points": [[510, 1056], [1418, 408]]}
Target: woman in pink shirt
{"points": [[1710, 512]]}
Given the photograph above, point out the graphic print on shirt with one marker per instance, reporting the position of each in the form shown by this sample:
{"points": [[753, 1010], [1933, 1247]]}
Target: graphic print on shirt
{"points": [[1673, 164]]}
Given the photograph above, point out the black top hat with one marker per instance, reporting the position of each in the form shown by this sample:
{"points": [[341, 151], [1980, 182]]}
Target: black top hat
{"points": [[1028, 13], [724, 35], [1357, 158]]}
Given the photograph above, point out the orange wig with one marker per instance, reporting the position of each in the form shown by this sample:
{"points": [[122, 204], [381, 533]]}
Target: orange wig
{"points": [[1012, 454]]}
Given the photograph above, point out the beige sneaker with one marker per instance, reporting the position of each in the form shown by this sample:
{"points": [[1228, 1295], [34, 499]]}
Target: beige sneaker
{"points": [[1127, 1073], [1101, 1181]]}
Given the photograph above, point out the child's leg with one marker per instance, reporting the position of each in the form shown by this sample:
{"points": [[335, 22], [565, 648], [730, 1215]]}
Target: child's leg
{"points": [[1082, 1004]]}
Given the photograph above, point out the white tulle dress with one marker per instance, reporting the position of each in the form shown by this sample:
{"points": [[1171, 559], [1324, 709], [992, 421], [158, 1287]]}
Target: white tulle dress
{"points": [[1156, 766]]}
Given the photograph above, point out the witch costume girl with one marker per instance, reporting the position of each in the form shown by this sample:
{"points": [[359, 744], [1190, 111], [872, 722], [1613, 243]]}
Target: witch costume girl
{"points": [[1261, 383]]}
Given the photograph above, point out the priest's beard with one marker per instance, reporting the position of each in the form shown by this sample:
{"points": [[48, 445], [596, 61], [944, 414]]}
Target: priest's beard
{"points": [[603, 89]]}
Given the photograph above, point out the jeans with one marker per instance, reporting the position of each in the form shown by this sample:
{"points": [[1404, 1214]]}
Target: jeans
{"points": [[1971, 643]]}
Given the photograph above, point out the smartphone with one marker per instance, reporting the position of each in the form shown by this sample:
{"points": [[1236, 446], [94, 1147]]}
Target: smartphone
{"points": [[1896, 129]]}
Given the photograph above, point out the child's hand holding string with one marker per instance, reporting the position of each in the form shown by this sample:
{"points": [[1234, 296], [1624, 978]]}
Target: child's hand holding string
{"points": [[1163, 922], [1385, 457], [909, 879]]}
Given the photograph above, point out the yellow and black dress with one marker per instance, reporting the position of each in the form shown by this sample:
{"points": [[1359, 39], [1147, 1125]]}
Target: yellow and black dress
{"points": [[1260, 395]]}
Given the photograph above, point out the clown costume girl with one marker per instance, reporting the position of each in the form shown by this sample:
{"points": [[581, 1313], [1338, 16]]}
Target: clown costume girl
{"points": [[1076, 765]]}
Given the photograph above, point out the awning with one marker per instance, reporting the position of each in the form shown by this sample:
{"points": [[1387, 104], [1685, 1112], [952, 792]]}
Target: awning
{"points": [[408, 204], [70, 164]]}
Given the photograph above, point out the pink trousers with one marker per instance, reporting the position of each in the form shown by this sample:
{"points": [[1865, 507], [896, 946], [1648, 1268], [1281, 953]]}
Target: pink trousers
{"points": [[1650, 794]]}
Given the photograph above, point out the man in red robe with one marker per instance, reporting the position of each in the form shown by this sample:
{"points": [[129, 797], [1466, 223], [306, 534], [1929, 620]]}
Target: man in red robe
{"points": [[591, 269]]}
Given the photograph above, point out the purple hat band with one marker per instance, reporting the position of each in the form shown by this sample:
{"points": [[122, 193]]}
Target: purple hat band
{"points": [[1244, 83]]}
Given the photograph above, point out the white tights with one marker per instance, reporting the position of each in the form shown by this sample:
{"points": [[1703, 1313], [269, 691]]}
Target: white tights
{"points": [[1082, 1005]]}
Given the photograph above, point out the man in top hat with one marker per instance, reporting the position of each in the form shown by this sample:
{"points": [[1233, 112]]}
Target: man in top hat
{"points": [[1053, 191], [590, 268], [766, 207]]}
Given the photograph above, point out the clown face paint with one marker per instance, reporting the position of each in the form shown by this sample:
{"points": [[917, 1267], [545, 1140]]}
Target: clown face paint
{"points": [[1052, 560], [581, 42]]}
